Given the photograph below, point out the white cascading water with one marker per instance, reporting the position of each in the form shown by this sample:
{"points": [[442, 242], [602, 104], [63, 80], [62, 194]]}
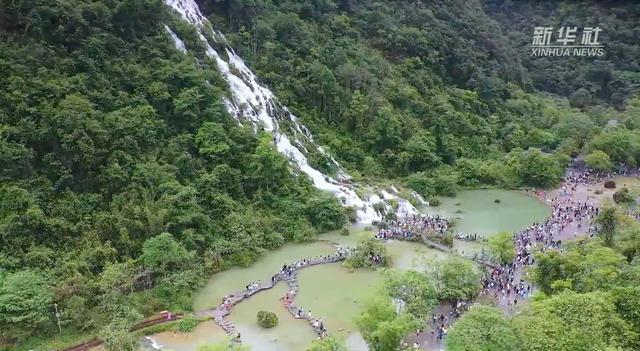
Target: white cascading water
{"points": [[256, 104], [151, 344]]}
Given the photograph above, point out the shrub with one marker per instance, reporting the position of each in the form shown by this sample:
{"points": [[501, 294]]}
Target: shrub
{"points": [[351, 213], [344, 231], [187, 324], [433, 201], [380, 207], [496, 201], [448, 240], [610, 184], [363, 252], [622, 195], [267, 319]]}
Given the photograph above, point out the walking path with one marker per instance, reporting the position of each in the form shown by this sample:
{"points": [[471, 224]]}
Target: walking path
{"points": [[574, 205], [289, 274]]}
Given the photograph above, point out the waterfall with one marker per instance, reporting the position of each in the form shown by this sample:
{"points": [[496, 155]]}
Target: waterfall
{"points": [[254, 103], [150, 343]]}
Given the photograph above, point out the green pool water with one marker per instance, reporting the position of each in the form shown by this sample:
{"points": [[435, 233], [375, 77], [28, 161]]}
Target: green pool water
{"points": [[290, 333], [476, 211], [337, 295], [334, 293], [236, 279]]}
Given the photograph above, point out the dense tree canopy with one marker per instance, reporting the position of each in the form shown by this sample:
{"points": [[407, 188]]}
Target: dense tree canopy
{"points": [[382, 327], [454, 278], [124, 180], [482, 328], [398, 88]]}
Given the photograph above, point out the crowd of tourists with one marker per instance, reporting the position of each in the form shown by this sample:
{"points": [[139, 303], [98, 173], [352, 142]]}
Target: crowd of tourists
{"points": [[588, 176], [410, 227], [470, 237], [504, 282], [288, 272], [253, 286], [567, 214]]}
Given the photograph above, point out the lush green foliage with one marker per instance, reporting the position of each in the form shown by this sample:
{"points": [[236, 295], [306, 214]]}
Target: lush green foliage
{"points": [[454, 278], [482, 328], [590, 300], [187, 323], [571, 321], [406, 89], [382, 327], [612, 77], [583, 267], [327, 344], [365, 251], [608, 220], [502, 247], [267, 319], [124, 182], [622, 196], [598, 160], [414, 289], [25, 302], [568, 321]]}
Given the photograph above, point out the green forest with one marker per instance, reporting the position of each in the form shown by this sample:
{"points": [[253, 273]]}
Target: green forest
{"points": [[589, 299], [125, 183]]}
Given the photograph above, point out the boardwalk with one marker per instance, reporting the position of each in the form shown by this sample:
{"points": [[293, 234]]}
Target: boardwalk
{"points": [[219, 313]]}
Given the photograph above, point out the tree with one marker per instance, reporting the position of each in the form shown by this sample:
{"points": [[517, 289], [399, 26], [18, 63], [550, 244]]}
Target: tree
{"points": [[454, 278], [327, 344], [502, 247], [582, 267], [572, 321], [621, 145], [622, 196], [116, 337], [268, 170], [481, 328], [26, 303], [382, 328], [267, 319], [187, 323], [535, 168], [325, 213], [598, 160], [212, 141], [163, 254], [627, 303], [607, 221], [364, 253], [414, 289], [580, 98]]}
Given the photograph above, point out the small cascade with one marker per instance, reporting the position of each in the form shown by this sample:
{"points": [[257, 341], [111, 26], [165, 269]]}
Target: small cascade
{"points": [[150, 343], [419, 198], [176, 41], [254, 103]]}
